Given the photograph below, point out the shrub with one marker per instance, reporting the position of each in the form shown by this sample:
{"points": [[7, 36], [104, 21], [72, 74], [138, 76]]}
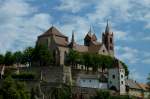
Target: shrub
{"points": [[24, 76]]}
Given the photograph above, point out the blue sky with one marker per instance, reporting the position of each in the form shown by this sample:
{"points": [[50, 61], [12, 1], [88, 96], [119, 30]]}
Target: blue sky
{"points": [[21, 21]]}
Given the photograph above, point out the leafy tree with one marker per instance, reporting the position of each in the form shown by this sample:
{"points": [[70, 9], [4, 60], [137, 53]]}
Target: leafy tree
{"points": [[72, 57], [11, 89], [126, 68], [102, 94], [87, 60], [27, 55], [18, 57], [36, 93], [96, 62], [62, 92], [42, 55], [8, 60], [1, 59]]}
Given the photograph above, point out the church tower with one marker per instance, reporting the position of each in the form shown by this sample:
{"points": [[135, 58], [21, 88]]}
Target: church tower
{"points": [[72, 43], [108, 40]]}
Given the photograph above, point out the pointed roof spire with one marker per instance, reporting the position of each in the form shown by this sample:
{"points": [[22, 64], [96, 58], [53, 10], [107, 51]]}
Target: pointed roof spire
{"points": [[90, 32], [72, 40], [107, 30]]}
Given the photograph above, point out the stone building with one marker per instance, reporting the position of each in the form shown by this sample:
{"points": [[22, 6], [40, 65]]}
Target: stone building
{"points": [[116, 78], [59, 44]]}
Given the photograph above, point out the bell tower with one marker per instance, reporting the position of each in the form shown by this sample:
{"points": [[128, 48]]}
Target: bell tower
{"points": [[108, 39]]}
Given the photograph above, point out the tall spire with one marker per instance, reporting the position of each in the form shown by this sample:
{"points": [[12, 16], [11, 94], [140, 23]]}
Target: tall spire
{"points": [[90, 32], [72, 40], [107, 30]]}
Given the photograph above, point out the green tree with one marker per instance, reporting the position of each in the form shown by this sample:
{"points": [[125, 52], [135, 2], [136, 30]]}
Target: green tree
{"points": [[18, 57], [62, 92], [126, 68], [72, 57], [95, 62], [27, 55], [42, 55], [8, 60], [87, 60], [1, 59], [11, 89], [102, 94]]}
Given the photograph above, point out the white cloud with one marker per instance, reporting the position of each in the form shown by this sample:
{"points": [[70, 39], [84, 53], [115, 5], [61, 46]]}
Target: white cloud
{"points": [[146, 61], [19, 25], [105, 9], [135, 75], [74, 6], [146, 38], [77, 24], [123, 36], [127, 54]]}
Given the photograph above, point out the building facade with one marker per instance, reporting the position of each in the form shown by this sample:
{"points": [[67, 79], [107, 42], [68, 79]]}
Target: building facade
{"points": [[59, 44]]}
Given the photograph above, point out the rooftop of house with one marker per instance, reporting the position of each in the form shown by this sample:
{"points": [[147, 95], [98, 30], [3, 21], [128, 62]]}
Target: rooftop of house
{"points": [[133, 84]]}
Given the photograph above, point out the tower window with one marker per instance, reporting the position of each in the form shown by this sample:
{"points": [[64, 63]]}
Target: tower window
{"points": [[113, 76], [103, 50], [121, 76], [111, 48], [110, 40], [122, 82]]}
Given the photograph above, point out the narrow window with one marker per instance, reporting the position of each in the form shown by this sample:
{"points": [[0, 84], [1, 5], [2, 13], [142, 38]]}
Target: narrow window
{"points": [[89, 80], [104, 51], [122, 82], [110, 40], [121, 76], [113, 76]]}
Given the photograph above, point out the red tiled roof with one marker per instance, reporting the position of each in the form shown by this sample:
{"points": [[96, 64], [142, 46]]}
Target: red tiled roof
{"points": [[60, 41], [81, 48], [53, 31]]}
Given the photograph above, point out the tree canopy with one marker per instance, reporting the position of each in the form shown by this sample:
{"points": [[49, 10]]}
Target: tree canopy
{"points": [[11, 89], [40, 54], [93, 60]]}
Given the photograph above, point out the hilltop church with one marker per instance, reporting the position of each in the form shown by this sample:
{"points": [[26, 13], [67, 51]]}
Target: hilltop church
{"points": [[59, 44]]}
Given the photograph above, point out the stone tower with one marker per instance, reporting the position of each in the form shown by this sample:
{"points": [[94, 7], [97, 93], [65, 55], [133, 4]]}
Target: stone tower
{"points": [[108, 40], [116, 78]]}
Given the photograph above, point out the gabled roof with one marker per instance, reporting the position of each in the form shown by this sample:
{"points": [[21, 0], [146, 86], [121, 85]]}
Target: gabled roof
{"points": [[132, 84], [53, 31], [81, 48], [145, 87]]}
